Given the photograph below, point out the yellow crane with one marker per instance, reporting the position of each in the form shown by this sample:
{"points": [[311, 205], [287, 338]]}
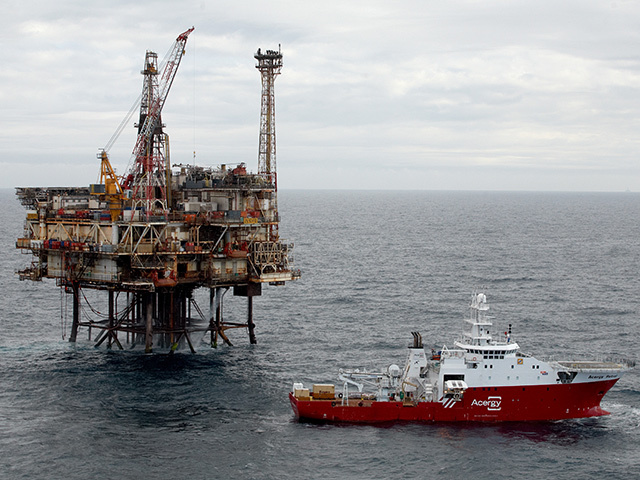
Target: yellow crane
{"points": [[113, 193]]}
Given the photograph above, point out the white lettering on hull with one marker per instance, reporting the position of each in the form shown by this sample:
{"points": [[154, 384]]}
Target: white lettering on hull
{"points": [[493, 404]]}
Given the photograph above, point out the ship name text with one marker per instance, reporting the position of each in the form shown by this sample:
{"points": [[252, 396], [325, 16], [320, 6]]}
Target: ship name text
{"points": [[492, 403]]}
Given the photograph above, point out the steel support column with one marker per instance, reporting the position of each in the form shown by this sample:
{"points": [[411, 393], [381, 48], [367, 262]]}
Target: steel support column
{"points": [[112, 332], [250, 324], [75, 286], [149, 304]]}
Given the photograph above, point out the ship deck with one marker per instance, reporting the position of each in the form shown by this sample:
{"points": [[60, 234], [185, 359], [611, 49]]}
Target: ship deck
{"points": [[593, 366], [354, 402]]}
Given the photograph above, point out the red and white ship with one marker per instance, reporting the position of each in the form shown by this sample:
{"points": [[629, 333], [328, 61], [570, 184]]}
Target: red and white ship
{"points": [[481, 379]]}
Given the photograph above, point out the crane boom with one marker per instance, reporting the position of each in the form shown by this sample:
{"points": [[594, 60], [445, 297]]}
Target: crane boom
{"points": [[149, 176], [155, 109]]}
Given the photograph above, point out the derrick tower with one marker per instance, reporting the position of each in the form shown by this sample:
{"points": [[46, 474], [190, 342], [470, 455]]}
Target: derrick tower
{"points": [[151, 186], [148, 178], [269, 65]]}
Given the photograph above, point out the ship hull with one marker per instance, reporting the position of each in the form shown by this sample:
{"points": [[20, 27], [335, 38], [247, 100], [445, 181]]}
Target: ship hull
{"points": [[479, 404]]}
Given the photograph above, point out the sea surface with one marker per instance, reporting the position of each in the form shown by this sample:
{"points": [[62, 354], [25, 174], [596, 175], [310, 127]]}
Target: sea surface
{"points": [[562, 268]]}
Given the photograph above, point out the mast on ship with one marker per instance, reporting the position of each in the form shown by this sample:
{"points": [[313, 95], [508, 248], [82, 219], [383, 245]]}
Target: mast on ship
{"points": [[477, 327]]}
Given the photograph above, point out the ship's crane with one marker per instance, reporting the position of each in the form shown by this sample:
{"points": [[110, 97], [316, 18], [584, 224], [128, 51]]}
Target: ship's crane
{"points": [[147, 178]]}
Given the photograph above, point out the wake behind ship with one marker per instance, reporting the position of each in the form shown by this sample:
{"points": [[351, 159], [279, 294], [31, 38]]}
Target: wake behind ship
{"points": [[481, 379]]}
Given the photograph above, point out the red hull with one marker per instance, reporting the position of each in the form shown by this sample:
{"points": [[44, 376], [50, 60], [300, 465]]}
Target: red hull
{"points": [[479, 404]]}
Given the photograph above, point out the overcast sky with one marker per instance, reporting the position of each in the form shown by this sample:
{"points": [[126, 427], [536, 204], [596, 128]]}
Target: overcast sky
{"points": [[376, 94]]}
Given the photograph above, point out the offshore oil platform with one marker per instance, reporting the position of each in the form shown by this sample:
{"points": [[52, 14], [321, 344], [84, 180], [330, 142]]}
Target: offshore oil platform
{"points": [[153, 236]]}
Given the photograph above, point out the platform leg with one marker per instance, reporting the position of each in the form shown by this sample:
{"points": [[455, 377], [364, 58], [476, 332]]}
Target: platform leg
{"points": [[111, 320], [76, 311], [171, 319], [212, 318], [148, 344], [250, 324]]}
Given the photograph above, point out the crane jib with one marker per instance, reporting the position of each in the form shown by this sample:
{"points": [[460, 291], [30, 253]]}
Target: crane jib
{"points": [[155, 109]]}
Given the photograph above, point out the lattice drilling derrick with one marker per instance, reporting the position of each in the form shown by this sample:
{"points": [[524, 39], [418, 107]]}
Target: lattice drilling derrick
{"points": [[149, 186], [148, 179]]}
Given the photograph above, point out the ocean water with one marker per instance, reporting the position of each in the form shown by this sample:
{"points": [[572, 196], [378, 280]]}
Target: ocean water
{"points": [[563, 268]]}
